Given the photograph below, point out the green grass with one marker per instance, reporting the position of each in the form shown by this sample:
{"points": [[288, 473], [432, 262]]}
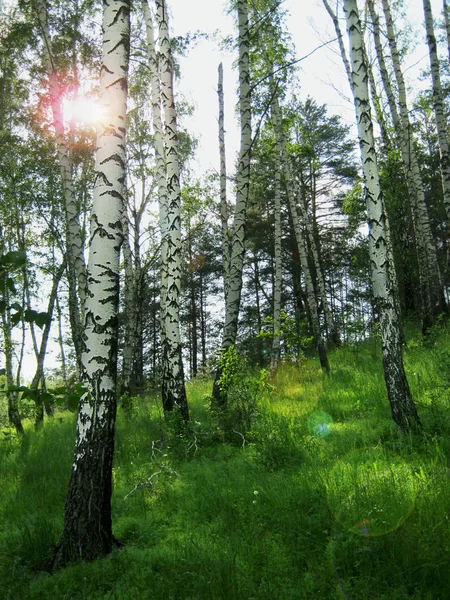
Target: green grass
{"points": [[324, 499]]}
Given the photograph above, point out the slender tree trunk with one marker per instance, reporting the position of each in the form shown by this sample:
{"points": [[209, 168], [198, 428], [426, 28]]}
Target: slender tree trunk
{"points": [[173, 389], [39, 377], [87, 533], [438, 103], [446, 11], [223, 186], [202, 321], [129, 308], [276, 342], [13, 400], [402, 404], [76, 268], [429, 274], [61, 343], [160, 162], [233, 295]]}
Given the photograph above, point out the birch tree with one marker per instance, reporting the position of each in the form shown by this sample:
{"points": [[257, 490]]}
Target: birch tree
{"points": [[402, 404], [276, 342], [87, 533], [237, 245], [173, 389], [223, 183], [438, 103]]}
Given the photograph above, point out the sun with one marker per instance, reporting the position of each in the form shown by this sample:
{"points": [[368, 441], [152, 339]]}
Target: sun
{"points": [[82, 110]]}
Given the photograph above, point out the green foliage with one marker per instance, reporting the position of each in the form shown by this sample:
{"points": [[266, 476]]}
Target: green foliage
{"points": [[9, 264], [243, 393]]}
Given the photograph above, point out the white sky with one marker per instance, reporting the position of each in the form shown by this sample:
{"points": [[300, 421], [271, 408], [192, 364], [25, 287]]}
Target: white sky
{"points": [[321, 75]]}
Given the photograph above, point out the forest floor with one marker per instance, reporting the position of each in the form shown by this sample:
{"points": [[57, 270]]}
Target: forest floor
{"points": [[321, 499]]}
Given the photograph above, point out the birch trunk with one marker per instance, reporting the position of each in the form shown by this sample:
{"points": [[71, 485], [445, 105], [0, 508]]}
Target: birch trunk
{"points": [[438, 104], [223, 186], [276, 343], [87, 533], [429, 274], [173, 389], [445, 10], [13, 399], [38, 377], [76, 268], [237, 249], [129, 307], [310, 291], [158, 142], [402, 405]]}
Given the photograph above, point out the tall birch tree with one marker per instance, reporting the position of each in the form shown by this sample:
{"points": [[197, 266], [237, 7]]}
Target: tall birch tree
{"points": [[173, 388], [223, 183], [438, 103], [237, 246], [402, 404], [87, 533]]}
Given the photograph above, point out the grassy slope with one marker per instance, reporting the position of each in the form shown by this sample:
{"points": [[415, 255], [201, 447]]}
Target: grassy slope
{"points": [[325, 501]]}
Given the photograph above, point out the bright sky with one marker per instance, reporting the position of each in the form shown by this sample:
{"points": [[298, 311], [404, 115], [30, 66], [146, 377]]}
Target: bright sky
{"points": [[321, 75]]}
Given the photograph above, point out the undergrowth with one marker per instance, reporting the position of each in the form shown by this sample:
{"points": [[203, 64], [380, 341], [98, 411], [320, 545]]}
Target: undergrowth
{"points": [[318, 497]]}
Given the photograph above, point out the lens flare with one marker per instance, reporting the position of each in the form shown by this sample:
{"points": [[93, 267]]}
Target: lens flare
{"points": [[82, 110]]}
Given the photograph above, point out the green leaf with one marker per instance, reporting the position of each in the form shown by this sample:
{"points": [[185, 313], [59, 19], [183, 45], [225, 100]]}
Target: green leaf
{"points": [[14, 259], [2, 306], [47, 397], [42, 319], [2, 372], [59, 391], [73, 400], [10, 285], [31, 394]]}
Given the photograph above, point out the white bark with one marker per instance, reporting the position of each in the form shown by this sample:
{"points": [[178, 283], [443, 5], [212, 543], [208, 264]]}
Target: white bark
{"points": [[402, 405], [438, 104], [242, 184], [87, 533], [276, 343], [174, 393], [160, 161], [223, 185], [446, 11]]}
